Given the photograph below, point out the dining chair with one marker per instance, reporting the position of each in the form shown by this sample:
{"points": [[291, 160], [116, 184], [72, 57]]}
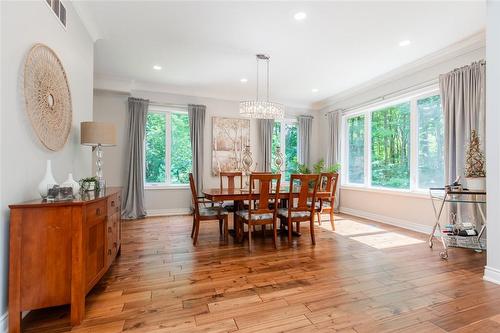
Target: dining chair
{"points": [[206, 213], [228, 177], [302, 190], [328, 183], [267, 188]]}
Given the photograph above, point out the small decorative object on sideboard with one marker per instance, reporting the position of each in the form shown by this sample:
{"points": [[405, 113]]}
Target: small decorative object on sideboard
{"points": [[89, 184], [57, 193], [70, 182], [48, 180], [475, 174]]}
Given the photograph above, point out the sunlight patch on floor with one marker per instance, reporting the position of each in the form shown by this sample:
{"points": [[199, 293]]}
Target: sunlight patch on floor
{"points": [[387, 240], [346, 227]]}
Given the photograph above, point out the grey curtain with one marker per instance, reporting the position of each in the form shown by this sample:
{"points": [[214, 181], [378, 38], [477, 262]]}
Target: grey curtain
{"points": [[333, 146], [197, 133], [266, 138], [304, 136], [463, 100], [133, 202]]}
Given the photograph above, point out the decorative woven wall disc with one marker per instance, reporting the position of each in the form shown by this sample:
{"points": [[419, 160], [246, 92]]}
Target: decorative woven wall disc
{"points": [[48, 99]]}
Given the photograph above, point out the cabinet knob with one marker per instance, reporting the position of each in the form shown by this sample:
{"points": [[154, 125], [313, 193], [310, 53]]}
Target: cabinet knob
{"points": [[110, 230], [114, 244], [109, 252], [98, 211], [112, 203]]}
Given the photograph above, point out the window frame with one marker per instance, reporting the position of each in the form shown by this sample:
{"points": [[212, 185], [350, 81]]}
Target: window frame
{"points": [[283, 122], [367, 111], [167, 184]]}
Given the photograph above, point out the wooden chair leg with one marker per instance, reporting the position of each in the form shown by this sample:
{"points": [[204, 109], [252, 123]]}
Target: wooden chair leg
{"points": [[332, 221], [192, 229], [226, 229], [275, 234], [220, 226], [250, 236], [297, 227], [312, 232], [263, 229], [196, 231], [319, 218], [290, 231]]}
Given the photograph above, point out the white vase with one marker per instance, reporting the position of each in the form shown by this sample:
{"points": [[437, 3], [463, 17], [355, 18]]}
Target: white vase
{"points": [[47, 181], [476, 183], [70, 182]]}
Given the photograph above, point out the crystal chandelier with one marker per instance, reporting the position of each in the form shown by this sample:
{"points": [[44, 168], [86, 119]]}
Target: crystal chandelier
{"points": [[262, 109]]}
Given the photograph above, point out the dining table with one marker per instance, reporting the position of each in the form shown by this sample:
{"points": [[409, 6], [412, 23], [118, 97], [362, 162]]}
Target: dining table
{"points": [[239, 195]]}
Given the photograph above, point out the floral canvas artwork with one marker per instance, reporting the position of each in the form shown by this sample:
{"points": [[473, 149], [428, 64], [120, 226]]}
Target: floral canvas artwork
{"points": [[229, 137]]}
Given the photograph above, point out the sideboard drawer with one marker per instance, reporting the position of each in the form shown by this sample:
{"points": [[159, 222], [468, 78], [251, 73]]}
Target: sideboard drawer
{"points": [[96, 210], [113, 204]]}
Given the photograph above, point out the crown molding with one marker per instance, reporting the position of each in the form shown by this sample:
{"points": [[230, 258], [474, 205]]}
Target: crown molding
{"points": [[129, 86], [87, 20], [465, 46]]}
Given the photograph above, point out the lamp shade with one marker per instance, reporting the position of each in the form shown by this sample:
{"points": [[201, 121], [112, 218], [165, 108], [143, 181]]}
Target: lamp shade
{"points": [[93, 133]]}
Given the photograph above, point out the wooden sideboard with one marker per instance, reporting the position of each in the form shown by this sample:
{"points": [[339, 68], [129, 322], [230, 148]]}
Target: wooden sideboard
{"points": [[60, 250]]}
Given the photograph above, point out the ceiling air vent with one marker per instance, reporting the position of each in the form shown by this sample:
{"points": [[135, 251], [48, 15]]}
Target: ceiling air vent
{"points": [[58, 9]]}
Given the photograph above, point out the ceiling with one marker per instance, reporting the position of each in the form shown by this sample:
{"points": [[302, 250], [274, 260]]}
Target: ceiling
{"points": [[205, 48]]}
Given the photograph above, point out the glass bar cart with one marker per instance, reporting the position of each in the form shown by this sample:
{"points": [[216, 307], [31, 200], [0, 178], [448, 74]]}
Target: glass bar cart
{"points": [[440, 197]]}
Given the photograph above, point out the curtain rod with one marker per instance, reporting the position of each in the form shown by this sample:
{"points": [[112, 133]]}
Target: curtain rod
{"points": [[171, 105], [386, 96]]}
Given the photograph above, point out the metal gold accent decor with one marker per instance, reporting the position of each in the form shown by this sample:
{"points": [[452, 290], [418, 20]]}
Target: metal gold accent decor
{"points": [[48, 98]]}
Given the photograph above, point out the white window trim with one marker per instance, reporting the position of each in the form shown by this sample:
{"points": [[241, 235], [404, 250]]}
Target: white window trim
{"points": [[167, 185], [411, 97]]}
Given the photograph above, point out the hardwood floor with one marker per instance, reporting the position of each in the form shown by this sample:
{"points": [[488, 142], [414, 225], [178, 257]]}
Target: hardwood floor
{"points": [[161, 283]]}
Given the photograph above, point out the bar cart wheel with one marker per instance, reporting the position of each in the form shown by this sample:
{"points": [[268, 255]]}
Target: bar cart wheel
{"points": [[443, 254]]}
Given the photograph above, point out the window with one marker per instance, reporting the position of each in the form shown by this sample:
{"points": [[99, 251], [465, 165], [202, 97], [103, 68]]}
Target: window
{"points": [[356, 142], [396, 146], [167, 148], [390, 146], [430, 142], [285, 137]]}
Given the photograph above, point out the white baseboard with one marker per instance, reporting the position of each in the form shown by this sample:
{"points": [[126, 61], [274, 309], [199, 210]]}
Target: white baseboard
{"points": [[169, 212], [491, 274], [4, 322], [425, 229]]}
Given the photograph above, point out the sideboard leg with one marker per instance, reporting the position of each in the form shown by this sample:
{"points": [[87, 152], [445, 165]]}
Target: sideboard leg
{"points": [[15, 272]]}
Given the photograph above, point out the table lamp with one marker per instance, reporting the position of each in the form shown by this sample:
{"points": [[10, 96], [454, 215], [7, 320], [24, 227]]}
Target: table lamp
{"points": [[98, 135]]}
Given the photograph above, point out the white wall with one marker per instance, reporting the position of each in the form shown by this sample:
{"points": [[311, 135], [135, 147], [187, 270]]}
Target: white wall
{"points": [[22, 155], [492, 270], [411, 211], [112, 107]]}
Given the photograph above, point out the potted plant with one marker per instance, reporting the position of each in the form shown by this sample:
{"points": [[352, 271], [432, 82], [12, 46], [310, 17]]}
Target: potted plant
{"points": [[318, 168], [475, 174]]}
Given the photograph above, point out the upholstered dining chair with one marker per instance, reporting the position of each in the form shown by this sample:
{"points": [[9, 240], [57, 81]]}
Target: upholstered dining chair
{"points": [[206, 213], [267, 188], [327, 183], [302, 190]]}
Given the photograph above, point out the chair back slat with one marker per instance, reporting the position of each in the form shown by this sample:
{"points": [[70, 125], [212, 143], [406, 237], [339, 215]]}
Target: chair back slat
{"points": [[230, 175], [267, 193], [194, 194], [303, 188], [328, 183]]}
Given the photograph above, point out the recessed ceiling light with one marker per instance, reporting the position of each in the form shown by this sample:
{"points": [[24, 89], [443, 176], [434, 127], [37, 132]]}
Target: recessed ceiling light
{"points": [[300, 16], [314, 90], [243, 80], [405, 42], [157, 67]]}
